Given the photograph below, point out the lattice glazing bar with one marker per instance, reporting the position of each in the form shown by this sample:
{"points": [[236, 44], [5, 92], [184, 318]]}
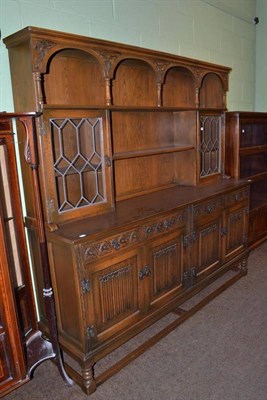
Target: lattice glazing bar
{"points": [[210, 145], [78, 162]]}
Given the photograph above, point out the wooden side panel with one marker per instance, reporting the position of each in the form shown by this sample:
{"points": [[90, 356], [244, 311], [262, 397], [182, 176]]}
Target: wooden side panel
{"points": [[67, 286], [232, 164]]}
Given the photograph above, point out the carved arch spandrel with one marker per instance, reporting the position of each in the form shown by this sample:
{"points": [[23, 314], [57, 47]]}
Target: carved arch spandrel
{"points": [[225, 82], [45, 50], [161, 67], [41, 52], [110, 60], [198, 74]]}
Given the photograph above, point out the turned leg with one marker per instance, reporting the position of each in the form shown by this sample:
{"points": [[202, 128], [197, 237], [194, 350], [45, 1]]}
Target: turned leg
{"points": [[89, 383], [243, 266]]}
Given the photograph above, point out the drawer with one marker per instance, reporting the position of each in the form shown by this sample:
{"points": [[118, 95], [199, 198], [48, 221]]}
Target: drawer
{"points": [[206, 209], [167, 224], [92, 251], [236, 197]]}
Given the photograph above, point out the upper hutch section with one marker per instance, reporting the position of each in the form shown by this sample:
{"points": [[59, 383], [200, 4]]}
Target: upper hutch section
{"points": [[72, 70], [117, 121]]}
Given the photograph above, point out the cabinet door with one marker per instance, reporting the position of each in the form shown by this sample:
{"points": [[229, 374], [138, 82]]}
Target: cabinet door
{"points": [[235, 222], [235, 230], [75, 160], [163, 268], [205, 239], [115, 298], [210, 146]]}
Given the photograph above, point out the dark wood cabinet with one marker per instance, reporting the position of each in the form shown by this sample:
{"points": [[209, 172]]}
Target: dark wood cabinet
{"points": [[246, 149], [17, 312], [12, 362], [18, 320], [138, 215], [22, 346]]}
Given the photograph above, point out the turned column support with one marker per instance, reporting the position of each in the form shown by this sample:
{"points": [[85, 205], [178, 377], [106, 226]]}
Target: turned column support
{"points": [[243, 266], [108, 91], [89, 383], [159, 94], [37, 76], [197, 97]]}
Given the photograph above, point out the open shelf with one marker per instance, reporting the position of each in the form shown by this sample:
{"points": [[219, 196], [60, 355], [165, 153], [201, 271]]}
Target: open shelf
{"points": [[134, 84], [258, 193], [253, 150], [147, 133], [256, 177], [211, 91], [129, 108], [74, 77], [150, 152], [253, 133], [252, 174], [253, 165], [139, 175], [179, 88]]}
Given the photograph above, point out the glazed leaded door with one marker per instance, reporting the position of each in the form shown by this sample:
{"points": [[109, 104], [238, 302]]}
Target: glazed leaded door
{"points": [[77, 163], [210, 147]]}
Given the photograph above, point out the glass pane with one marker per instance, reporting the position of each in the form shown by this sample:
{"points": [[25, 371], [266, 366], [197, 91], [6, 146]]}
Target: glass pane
{"points": [[78, 162], [210, 146], [6, 203]]}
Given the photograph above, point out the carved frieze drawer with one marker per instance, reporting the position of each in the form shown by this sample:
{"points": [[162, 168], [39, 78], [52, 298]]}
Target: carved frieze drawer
{"points": [[165, 225], [94, 250], [211, 207], [110, 245], [236, 196]]}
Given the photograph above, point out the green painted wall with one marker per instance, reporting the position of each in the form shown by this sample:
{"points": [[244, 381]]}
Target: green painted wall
{"points": [[218, 31], [261, 58]]}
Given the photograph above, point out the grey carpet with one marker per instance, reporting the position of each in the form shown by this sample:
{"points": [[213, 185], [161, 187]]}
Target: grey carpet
{"points": [[218, 354]]}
